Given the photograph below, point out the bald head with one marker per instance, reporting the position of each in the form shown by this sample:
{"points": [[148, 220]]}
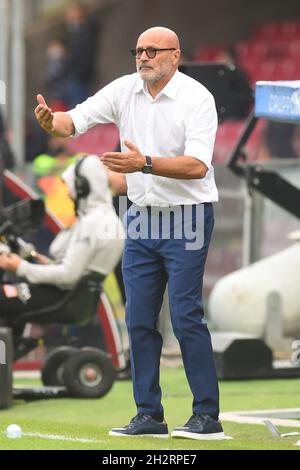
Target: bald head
{"points": [[163, 36], [157, 67]]}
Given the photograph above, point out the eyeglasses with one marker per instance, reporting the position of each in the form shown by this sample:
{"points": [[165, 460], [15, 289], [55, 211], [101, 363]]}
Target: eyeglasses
{"points": [[150, 51]]}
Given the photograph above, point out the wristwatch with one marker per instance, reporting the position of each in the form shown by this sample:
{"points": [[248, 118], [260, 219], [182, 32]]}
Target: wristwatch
{"points": [[147, 168]]}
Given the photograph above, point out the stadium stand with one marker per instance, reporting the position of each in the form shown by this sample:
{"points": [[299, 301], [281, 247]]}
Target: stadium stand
{"points": [[271, 53]]}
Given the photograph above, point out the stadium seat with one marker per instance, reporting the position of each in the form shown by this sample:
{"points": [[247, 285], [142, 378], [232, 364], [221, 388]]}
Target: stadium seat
{"points": [[227, 136], [272, 53], [267, 31], [289, 30], [293, 49], [99, 139], [208, 53]]}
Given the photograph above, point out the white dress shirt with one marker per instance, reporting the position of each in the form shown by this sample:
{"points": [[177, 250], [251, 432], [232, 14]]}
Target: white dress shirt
{"points": [[180, 120]]}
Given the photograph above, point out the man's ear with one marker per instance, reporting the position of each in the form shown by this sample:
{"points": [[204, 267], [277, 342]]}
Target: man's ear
{"points": [[177, 54]]}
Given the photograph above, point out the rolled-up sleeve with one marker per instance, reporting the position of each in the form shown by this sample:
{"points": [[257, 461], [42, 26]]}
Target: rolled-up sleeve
{"points": [[201, 126], [100, 108]]}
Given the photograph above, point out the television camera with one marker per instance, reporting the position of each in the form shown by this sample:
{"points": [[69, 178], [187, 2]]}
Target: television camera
{"points": [[20, 220]]}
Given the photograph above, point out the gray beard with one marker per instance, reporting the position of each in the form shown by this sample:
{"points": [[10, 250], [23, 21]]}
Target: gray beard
{"points": [[149, 79]]}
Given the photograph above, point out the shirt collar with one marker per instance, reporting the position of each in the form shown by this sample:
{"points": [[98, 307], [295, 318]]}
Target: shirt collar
{"points": [[139, 85], [171, 87], [169, 90]]}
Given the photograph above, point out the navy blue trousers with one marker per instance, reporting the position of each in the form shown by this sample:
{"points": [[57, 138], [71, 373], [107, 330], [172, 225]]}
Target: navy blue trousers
{"points": [[149, 263]]}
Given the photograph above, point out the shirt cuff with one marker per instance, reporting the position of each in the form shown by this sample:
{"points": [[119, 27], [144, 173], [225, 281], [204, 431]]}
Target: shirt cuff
{"points": [[201, 154], [79, 122], [22, 268]]}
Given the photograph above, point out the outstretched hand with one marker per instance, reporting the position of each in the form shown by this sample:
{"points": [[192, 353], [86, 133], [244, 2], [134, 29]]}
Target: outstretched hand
{"points": [[44, 114], [124, 162]]}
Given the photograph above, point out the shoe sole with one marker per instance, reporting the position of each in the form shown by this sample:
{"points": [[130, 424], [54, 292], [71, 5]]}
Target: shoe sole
{"points": [[199, 437], [120, 434]]}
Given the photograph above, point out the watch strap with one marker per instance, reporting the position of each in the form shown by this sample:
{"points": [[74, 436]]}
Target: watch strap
{"points": [[147, 168]]}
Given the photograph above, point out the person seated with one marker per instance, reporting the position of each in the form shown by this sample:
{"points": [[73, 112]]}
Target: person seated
{"points": [[94, 244]]}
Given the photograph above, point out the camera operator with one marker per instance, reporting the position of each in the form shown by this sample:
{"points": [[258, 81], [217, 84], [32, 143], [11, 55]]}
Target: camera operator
{"points": [[93, 244]]}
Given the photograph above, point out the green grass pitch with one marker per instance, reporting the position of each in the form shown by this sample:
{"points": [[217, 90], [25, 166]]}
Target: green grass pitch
{"points": [[92, 419]]}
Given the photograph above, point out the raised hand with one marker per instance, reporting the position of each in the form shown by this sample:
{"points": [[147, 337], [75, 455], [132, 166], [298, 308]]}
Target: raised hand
{"points": [[44, 114]]}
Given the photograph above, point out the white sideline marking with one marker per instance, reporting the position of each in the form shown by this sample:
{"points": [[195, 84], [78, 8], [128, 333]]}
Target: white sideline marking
{"points": [[60, 437], [258, 417]]}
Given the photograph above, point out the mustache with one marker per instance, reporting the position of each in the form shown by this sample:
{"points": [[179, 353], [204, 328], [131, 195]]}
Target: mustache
{"points": [[144, 65]]}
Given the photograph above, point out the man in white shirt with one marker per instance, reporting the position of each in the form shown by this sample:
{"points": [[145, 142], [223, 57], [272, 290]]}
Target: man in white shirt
{"points": [[167, 124]]}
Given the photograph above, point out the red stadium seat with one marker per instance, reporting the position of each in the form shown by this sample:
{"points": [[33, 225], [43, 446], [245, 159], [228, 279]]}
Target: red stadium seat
{"points": [[208, 53], [286, 70], [266, 70], [271, 54], [293, 49], [290, 30], [227, 136], [267, 31], [100, 139]]}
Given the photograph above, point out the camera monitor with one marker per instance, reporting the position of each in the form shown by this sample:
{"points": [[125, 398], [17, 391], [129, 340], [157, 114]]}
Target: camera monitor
{"points": [[227, 83]]}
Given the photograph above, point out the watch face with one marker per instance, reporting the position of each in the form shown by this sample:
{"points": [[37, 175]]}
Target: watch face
{"points": [[147, 169], [148, 166]]}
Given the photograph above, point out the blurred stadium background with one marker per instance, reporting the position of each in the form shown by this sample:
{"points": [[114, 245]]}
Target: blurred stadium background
{"points": [[264, 39]]}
